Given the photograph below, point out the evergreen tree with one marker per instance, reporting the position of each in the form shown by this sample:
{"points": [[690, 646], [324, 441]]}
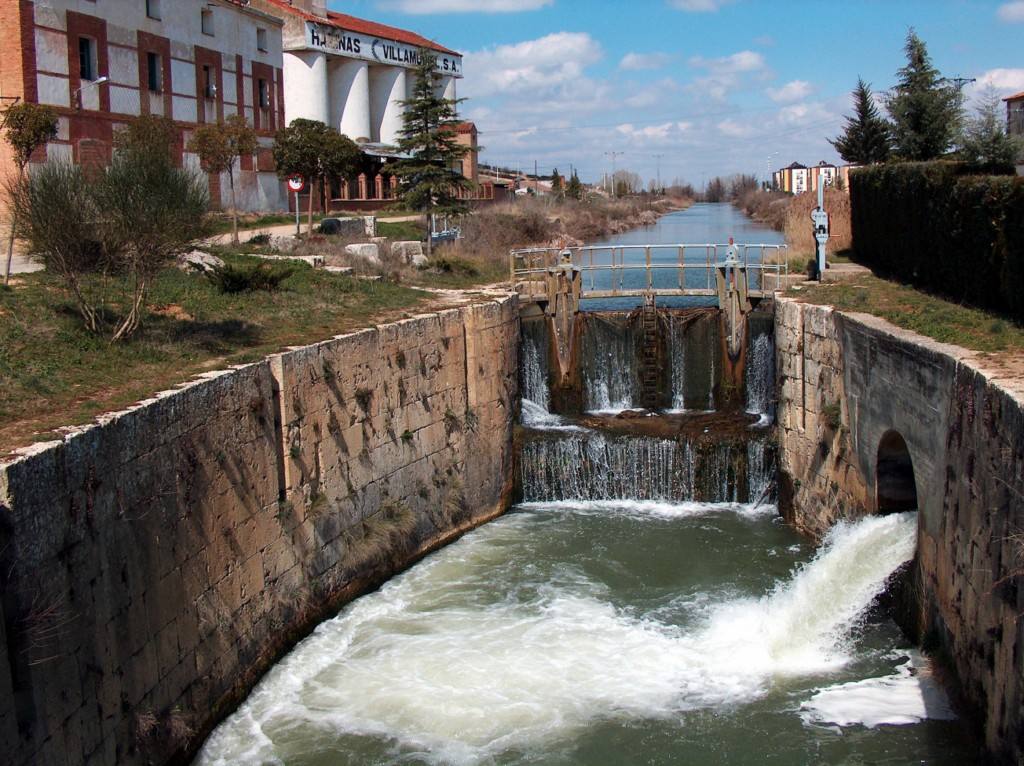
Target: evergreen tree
{"points": [[985, 139], [557, 186], [574, 189], [867, 137], [429, 178], [926, 112]]}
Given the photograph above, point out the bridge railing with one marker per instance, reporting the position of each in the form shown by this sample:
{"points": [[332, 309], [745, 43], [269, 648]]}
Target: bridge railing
{"points": [[763, 267]]}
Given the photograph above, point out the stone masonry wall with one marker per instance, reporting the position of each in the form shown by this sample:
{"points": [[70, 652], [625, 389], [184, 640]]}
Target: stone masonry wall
{"points": [[963, 423], [153, 566]]}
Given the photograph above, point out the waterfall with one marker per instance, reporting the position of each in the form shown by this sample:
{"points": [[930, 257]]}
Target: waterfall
{"points": [[760, 375], [677, 355], [611, 377], [589, 465], [533, 369]]}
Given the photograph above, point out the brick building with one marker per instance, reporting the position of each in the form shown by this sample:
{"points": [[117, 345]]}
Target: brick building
{"points": [[101, 62]]}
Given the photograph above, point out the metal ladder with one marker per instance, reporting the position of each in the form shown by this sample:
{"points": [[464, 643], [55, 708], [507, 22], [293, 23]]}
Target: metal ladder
{"points": [[650, 361]]}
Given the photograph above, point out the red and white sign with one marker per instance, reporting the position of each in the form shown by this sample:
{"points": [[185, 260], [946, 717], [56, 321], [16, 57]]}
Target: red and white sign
{"points": [[296, 183]]}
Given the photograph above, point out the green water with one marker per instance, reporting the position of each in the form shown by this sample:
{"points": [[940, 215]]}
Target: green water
{"points": [[608, 633]]}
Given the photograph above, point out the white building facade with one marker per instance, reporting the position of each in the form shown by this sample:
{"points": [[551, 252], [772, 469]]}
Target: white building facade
{"points": [[101, 62], [350, 73]]}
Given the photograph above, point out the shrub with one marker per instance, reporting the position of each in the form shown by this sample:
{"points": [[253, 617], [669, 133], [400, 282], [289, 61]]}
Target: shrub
{"points": [[232, 278], [942, 228]]}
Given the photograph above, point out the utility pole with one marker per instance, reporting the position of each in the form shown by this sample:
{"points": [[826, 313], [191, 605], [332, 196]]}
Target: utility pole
{"points": [[536, 180], [959, 82], [657, 159], [613, 155]]}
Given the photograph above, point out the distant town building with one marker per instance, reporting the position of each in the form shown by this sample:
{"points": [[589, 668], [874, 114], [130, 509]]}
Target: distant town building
{"points": [[797, 179], [1015, 114], [1015, 123], [101, 62], [792, 178]]}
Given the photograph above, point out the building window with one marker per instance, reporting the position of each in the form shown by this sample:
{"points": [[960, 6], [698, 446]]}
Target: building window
{"points": [[154, 72], [264, 90], [209, 87], [206, 17], [153, 9], [261, 38], [87, 58]]}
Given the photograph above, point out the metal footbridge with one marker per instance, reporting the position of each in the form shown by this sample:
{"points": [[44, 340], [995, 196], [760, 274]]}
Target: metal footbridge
{"points": [[552, 281], [670, 270]]}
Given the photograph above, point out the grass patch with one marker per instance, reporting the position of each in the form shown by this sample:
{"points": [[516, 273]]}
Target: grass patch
{"points": [[915, 310], [402, 230], [54, 373]]}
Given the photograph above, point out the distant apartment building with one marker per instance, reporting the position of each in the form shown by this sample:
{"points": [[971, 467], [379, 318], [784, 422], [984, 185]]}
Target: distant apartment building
{"points": [[1015, 123], [797, 179], [101, 62]]}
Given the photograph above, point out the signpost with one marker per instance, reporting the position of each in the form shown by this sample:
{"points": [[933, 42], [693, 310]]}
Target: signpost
{"points": [[296, 183]]}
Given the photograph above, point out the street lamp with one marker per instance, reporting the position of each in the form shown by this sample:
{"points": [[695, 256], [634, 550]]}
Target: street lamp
{"points": [[78, 91]]}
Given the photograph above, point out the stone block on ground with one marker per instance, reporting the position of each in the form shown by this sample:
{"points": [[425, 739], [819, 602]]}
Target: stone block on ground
{"points": [[368, 251], [199, 260], [370, 225], [350, 227], [410, 251]]}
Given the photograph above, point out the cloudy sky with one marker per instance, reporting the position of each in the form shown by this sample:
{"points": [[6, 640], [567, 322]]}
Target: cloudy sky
{"points": [[697, 87]]}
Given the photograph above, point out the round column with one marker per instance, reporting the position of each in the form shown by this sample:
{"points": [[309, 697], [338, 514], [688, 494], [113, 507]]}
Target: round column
{"points": [[350, 98], [446, 88], [387, 91], [308, 95]]}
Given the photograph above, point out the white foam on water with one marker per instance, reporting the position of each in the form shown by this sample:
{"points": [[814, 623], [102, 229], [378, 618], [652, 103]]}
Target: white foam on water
{"points": [[661, 509], [536, 416], [431, 665], [908, 696]]}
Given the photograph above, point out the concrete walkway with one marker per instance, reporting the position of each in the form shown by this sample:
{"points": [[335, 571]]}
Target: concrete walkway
{"points": [[21, 264]]}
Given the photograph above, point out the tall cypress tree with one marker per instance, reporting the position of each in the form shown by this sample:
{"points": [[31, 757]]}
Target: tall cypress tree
{"points": [[926, 112], [428, 139], [867, 137]]}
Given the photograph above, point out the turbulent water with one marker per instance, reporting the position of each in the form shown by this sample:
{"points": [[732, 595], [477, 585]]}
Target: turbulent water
{"points": [[607, 633]]}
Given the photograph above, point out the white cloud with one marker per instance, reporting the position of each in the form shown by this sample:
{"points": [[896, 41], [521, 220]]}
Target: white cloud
{"points": [[734, 129], [660, 133], [742, 61], [533, 65], [725, 73], [698, 6], [796, 90], [634, 62], [1012, 13], [1005, 81], [427, 7]]}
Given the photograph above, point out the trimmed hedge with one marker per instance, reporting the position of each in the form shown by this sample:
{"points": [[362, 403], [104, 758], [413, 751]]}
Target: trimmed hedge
{"points": [[935, 225]]}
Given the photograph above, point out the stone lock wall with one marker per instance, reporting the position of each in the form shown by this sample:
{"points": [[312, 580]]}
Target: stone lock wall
{"points": [[153, 566], [845, 380]]}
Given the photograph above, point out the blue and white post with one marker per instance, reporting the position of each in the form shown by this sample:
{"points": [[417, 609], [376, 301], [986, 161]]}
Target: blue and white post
{"points": [[819, 218]]}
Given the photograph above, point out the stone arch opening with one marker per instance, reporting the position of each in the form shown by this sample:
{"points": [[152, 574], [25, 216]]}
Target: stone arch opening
{"points": [[895, 486]]}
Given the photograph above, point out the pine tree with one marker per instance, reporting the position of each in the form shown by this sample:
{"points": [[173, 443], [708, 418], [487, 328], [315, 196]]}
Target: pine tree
{"points": [[557, 186], [574, 189], [986, 142], [867, 137], [430, 182], [926, 112]]}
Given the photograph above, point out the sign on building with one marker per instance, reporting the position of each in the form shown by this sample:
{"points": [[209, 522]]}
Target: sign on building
{"points": [[341, 42]]}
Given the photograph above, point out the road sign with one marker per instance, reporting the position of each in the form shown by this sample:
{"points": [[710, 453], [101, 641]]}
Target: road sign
{"points": [[296, 183]]}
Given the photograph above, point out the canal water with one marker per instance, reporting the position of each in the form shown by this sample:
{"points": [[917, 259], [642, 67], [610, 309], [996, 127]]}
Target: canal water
{"points": [[611, 618]]}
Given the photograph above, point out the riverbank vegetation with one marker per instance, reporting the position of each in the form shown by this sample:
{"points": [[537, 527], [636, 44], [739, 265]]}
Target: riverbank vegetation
{"points": [[913, 309], [53, 372]]}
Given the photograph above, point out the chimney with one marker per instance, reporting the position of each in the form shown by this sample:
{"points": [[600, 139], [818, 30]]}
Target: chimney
{"points": [[318, 7]]}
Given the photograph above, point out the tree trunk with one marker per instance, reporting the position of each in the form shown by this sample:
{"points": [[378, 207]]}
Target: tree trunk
{"points": [[234, 208], [131, 322], [430, 235], [309, 217], [10, 239]]}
